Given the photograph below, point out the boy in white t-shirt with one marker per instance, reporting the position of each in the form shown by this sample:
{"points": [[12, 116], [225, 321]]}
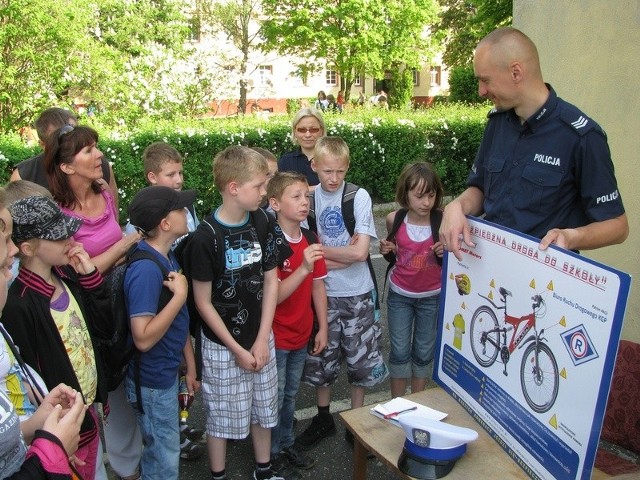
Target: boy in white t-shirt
{"points": [[353, 331]]}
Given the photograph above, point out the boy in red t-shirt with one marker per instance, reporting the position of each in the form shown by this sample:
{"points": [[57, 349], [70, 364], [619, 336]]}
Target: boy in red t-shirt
{"points": [[301, 282]]}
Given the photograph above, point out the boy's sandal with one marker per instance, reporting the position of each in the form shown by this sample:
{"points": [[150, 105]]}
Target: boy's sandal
{"points": [[191, 451]]}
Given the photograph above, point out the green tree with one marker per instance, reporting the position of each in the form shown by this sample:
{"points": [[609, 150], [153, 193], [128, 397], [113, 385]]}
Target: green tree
{"points": [[35, 47], [354, 37], [463, 23], [401, 89], [134, 49], [463, 85], [239, 21], [408, 45], [133, 27], [107, 52]]}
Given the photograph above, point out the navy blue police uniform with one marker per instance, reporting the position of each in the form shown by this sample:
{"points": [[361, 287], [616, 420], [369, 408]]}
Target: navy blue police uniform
{"points": [[297, 161], [552, 171]]}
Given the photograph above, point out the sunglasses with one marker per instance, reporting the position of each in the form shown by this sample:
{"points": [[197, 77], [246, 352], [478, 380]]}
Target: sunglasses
{"points": [[64, 130], [312, 130]]}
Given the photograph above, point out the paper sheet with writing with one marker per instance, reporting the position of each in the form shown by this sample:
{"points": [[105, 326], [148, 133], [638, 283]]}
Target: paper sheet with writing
{"points": [[399, 404]]}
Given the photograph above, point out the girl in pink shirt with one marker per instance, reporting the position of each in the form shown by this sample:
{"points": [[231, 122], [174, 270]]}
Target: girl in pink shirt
{"points": [[414, 280]]}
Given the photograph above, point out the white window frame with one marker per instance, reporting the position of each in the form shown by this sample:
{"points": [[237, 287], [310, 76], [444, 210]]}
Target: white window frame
{"points": [[331, 77], [435, 72], [416, 78], [265, 72]]}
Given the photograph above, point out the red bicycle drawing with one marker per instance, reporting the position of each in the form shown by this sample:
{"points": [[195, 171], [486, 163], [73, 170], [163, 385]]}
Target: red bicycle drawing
{"points": [[539, 376]]}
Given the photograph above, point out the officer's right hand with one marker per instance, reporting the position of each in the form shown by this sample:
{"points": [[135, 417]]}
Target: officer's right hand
{"points": [[455, 229]]}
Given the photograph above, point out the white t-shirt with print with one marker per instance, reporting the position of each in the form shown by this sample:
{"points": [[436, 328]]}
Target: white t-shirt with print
{"points": [[355, 279]]}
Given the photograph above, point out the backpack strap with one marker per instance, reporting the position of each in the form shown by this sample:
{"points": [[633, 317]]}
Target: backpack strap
{"points": [[436, 219], [309, 235], [348, 216], [195, 320], [311, 216], [311, 238], [192, 211], [397, 221], [261, 223], [391, 256], [348, 198], [139, 254]]}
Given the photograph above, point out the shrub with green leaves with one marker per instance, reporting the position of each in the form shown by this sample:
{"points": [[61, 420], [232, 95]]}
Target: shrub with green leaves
{"points": [[463, 85], [380, 142]]}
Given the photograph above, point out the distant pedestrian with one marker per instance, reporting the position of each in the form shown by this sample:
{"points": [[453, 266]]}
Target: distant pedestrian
{"points": [[340, 101], [321, 102]]}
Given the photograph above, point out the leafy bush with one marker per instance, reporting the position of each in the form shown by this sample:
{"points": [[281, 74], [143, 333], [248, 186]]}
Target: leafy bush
{"points": [[401, 88], [380, 142], [463, 86], [293, 105]]}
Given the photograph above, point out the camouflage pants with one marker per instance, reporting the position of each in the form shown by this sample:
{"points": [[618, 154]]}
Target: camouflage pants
{"points": [[353, 335]]}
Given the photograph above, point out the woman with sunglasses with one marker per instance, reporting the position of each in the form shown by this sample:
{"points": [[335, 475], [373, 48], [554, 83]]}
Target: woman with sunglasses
{"points": [[73, 163], [306, 128], [74, 168]]}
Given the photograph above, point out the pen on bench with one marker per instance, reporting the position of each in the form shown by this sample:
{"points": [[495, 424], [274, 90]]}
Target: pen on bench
{"points": [[395, 414]]}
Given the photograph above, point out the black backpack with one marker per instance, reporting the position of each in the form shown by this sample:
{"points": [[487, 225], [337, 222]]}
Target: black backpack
{"points": [[348, 197], [260, 221], [120, 349], [311, 239], [435, 219]]}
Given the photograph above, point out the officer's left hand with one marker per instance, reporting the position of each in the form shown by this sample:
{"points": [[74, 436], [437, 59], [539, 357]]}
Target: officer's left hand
{"points": [[560, 237]]}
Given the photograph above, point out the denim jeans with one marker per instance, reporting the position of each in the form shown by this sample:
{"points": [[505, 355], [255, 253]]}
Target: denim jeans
{"points": [[290, 365], [159, 427], [412, 331]]}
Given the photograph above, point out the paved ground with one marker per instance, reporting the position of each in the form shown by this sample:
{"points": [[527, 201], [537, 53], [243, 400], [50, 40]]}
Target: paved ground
{"points": [[334, 455]]}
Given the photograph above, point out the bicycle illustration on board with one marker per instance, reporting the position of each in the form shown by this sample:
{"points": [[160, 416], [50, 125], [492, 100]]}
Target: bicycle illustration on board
{"points": [[539, 376]]}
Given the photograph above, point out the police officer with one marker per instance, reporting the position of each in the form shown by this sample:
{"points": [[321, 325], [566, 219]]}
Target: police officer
{"points": [[543, 167]]}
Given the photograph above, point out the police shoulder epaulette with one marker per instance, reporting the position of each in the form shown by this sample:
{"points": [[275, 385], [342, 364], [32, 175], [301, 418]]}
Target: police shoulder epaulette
{"points": [[578, 121]]}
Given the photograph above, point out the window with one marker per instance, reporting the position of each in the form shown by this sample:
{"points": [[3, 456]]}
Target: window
{"points": [[416, 78], [331, 78], [265, 72], [435, 73], [357, 81]]}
